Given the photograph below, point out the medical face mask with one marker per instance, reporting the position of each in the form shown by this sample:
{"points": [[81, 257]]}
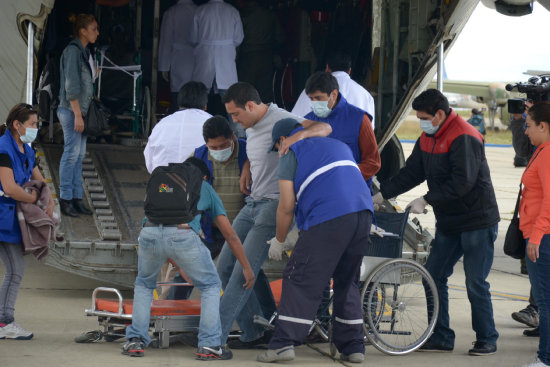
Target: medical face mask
{"points": [[223, 154], [30, 135], [427, 126], [320, 108]]}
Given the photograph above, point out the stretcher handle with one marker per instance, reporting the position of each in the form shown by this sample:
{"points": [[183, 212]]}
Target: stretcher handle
{"points": [[108, 290]]}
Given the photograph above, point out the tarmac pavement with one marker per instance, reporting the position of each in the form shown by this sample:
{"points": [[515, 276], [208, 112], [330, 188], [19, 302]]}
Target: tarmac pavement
{"points": [[51, 303]]}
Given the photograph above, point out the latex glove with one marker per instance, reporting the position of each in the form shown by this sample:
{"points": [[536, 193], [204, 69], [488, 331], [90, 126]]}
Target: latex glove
{"points": [[291, 238], [276, 249], [166, 76], [376, 230], [418, 206], [378, 199]]}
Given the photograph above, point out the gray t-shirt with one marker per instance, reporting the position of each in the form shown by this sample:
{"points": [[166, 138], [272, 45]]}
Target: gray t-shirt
{"points": [[263, 165]]}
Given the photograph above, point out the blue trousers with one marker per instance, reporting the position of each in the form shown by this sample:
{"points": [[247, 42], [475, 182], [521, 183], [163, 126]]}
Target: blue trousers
{"points": [[477, 247], [331, 249]]}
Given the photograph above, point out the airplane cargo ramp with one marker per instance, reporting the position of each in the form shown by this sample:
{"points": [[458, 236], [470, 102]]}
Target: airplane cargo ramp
{"points": [[101, 246]]}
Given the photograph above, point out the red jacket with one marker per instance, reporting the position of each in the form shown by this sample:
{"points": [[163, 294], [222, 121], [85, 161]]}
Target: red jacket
{"points": [[534, 206]]}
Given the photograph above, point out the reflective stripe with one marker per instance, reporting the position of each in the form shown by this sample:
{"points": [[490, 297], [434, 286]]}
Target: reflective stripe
{"points": [[295, 320], [349, 322], [321, 170]]}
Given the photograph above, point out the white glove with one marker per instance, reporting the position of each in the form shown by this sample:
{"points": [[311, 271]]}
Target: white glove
{"points": [[418, 206], [378, 199], [377, 230], [291, 238], [276, 249]]}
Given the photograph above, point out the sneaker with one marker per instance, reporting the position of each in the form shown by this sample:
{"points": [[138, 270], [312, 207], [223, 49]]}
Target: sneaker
{"points": [[536, 363], [277, 355], [213, 353], [430, 346], [482, 349], [528, 316], [260, 343], [532, 332], [14, 331], [133, 347], [353, 357]]}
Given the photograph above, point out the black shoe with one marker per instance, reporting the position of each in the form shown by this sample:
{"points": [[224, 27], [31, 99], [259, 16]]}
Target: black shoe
{"points": [[67, 208], [213, 353], [81, 207], [260, 343], [430, 346], [532, 332], [482, 349], [133, 348], [528, 316]]}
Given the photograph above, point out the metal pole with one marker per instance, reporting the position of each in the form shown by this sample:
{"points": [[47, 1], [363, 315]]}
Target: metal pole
{"points": [[30, 62], [380, 96], [154, 84], [440, 51]]}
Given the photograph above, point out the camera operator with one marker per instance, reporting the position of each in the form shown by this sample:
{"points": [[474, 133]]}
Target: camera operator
{"points": [[522, 146]]}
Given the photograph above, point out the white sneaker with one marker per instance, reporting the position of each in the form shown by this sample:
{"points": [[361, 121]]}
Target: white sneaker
{"points": [[14, 331], [536, 363]]}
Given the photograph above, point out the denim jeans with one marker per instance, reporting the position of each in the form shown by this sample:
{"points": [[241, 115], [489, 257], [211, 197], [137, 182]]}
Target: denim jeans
{"points": [[539, 276], [255, 225], [74, 149], [156, 244], [11, 256], [478, 249]]}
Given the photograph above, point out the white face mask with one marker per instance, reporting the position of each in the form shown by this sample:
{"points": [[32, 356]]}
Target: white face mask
{"points": [[30, 135], [320, 108], [221, 155], [427, 127]]}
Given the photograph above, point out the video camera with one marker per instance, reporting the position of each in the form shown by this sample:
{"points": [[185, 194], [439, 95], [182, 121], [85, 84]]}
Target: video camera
{"points": [[537, 89]]}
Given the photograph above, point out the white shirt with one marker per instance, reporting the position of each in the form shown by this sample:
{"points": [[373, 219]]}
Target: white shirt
{"points": [[175, 51], [352, 91], [216, 32], [175, 138]]}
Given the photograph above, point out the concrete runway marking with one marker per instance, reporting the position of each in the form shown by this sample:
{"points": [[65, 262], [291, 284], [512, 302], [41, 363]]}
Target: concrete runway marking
{"points": [[517, 297]]}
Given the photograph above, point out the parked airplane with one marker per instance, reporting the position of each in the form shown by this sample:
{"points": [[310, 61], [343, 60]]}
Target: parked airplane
{"points": [[394, 44]]}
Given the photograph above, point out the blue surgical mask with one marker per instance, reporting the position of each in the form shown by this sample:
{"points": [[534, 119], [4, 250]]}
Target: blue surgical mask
{"points": [[30, 135], [427, 126], [320, 108], [221, 155]]}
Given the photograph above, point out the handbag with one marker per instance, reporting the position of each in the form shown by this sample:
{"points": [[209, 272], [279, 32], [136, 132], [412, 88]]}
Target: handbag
{"points": [[514, 243], [97, 119]]}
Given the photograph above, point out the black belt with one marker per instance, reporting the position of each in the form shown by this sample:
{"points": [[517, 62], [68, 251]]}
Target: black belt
{"points": [[153, 224]]}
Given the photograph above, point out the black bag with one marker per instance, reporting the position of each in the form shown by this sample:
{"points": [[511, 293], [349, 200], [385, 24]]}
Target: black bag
{"points": [[97, 119], [514, 243], [172, 193]]}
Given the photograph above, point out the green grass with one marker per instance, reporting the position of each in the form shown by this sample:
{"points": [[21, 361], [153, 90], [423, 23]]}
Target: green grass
{"points": [[410, 130]]}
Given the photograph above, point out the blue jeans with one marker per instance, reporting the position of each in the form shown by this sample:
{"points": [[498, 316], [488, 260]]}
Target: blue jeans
{"points": [[539, 276], [74, 149], [478, 249], [11, 255], [255, 225], [156, 244]]}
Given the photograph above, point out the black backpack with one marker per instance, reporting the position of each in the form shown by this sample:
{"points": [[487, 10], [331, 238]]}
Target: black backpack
{"points": [[172, 193]]}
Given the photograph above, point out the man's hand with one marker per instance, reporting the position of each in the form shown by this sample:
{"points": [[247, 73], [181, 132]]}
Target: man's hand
{"points": [[532, 252], [285, 145], [377, 200], [291, 238], [276, 249], [248, 277], [78, 123], [418, 206], [376, 230], [245, 181]]}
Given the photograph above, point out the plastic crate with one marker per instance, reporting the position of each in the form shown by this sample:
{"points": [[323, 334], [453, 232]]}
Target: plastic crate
{"points": [[388, 246]]}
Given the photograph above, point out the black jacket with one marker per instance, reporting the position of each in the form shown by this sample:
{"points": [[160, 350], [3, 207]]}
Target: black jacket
{"points": [[459, 182]]}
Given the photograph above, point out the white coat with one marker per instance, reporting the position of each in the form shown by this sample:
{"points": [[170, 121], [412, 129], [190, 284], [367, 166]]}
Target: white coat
{"points": [[352, 91], [175, 51], [217, 31], [175, 138]]}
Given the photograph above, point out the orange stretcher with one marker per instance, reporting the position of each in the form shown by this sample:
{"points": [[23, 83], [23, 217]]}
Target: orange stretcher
{"points": [[169, 318]]}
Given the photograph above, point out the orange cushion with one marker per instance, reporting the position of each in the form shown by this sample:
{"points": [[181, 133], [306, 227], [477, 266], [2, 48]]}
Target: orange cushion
{"points": [[276, 289], [158, 308]]}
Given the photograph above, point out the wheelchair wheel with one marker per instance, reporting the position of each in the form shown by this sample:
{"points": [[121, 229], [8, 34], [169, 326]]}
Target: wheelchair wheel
{"points": [[323, 320], [145, 113], [401, 304]]}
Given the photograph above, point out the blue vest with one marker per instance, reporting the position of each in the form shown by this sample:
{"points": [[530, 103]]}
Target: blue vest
{"points": [[328, 183], [202, 153], [9, 226], [345, 120]]}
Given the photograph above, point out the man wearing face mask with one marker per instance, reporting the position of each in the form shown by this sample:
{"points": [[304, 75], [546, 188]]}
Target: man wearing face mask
{"points": [[450, 156]]}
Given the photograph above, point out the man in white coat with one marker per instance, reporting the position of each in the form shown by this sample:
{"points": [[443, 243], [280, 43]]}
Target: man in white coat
{"points": [[339, 64], [176, 136], [174, 59]]}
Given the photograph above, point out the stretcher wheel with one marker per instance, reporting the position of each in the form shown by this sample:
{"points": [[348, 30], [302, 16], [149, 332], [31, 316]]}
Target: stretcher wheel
{"points": [[324, 318], [89, 337], [400, 306]]}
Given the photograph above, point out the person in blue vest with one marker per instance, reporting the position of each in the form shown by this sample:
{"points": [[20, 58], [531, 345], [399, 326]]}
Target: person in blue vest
{"points": [[321, 184], [17, 166], [350, 124]]}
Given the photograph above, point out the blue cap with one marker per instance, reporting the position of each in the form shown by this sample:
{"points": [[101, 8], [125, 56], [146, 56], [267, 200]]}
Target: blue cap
{"points": [[282, 128]]}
